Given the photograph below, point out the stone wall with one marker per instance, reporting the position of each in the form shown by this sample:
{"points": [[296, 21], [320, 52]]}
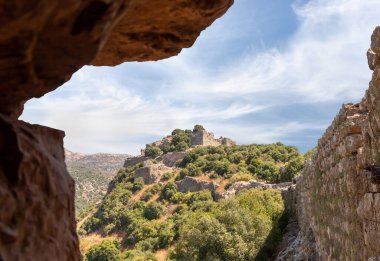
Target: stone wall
{"points": [[171, 158], [191, 184], [337, 199], [152, 173], [204, 138], [129, 162]]}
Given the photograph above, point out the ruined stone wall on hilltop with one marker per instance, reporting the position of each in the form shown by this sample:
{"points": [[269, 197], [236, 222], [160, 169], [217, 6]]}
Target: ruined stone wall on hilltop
{"points": [[337, 199], [204, 138]]}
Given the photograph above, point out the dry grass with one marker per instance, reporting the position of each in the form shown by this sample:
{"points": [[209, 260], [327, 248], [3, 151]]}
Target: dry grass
{"points": [[93, 239]]}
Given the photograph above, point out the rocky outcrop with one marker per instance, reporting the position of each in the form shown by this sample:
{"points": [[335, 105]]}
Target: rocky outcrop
{"points": [[151, 173], [337, 201], [240, 185], [42, 43], [152, 30], [37, 218], [171, 158], [190, 184]]}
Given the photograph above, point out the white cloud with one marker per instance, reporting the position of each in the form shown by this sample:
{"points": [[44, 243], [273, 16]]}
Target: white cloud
{"points": [[109, 109]]}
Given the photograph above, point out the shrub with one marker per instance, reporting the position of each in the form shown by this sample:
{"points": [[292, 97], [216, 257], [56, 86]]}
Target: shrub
{"points": [[292, 169], [138, 255], [152, 152], [181, 146], [92, 224], [235, 157], [168, 191], [167, 176], [198, 128], [108, 250], [138, 184], [241, 177], [146, 196], [153, 211]]}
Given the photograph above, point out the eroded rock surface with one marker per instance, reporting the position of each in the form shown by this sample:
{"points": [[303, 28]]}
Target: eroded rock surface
{"points": [[337, 201], [42, 43], [190, 184], [240, 185], [37, 218], [151, 172], [158, 29]]}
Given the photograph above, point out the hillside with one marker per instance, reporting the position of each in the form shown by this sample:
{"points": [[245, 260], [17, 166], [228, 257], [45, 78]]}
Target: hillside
{"points": [[220, 202], [92, 173]]}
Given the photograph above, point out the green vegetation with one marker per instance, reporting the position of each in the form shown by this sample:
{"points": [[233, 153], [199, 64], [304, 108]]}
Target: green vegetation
{"points": [[201, 229], [247, 226], [272, 163], [107, 251], [198, 128], [235, 229], [92, 173], [152, 152], [153, 210]]}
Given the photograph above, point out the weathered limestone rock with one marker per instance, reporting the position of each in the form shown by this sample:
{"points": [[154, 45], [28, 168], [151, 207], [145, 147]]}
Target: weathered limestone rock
{"points": [[337, 202], [134, 160], [240, 185], [190, 184], [158, 29], [42, 43], [171, 158], [151, 173], [37, 220]]}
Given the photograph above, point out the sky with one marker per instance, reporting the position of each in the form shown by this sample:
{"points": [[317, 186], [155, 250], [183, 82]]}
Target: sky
{"points": [[266, 71]]}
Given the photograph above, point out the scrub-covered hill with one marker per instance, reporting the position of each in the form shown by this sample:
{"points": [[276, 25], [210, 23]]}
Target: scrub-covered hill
{"points": [[92, 173], [220, 202]]}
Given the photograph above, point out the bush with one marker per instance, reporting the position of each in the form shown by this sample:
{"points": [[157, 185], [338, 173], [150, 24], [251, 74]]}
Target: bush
{"points": [[198, 128], [167, 176], [153, 210], [138, 184], [181, 146], [152, 152], [138, 255], [146, 196], [168, 191], [292, 169], [238, 230], [108, 250]]}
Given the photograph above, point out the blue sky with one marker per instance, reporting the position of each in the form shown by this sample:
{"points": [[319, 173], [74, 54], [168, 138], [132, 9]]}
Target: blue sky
{"points": [[267, 71]]}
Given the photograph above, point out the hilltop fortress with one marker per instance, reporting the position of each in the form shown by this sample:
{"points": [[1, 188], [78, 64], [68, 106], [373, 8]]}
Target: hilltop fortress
{"points": [[196, 138]]}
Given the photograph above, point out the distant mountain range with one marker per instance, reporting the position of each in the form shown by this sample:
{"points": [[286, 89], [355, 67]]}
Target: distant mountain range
{"points": [[92, 173]]}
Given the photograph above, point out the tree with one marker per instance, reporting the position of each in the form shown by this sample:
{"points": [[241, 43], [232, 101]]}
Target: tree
{"points": [[152, 152], [198, 128], [138, 184], [292, 169], [181, 146], [168, 191], [153, 210], [108, 250]]}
